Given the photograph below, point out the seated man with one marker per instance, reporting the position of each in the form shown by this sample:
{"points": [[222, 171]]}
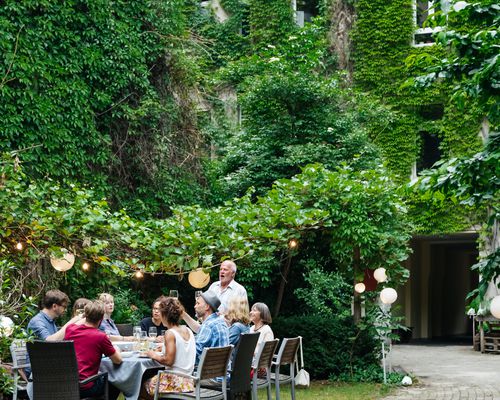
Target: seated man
{"points": [[213, 331], [43, 324], [90, 345]]}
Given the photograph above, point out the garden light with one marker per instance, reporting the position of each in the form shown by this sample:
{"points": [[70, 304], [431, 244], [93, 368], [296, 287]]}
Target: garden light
{"points": [[19, 246], [65, 263], [293, 243], [85, 266], [380, 275], [139, 274], [6, 326], [359, 287], [388, 295], [198, 278], [495, 307]]}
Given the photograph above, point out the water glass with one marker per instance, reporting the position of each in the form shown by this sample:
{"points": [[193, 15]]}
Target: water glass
{"points": [[174, 293], [197, 294], [137, 332], [153, 332]]}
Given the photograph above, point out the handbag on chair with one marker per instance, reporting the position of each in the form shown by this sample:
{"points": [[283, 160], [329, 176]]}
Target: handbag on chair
{"points": [[302, 376]]}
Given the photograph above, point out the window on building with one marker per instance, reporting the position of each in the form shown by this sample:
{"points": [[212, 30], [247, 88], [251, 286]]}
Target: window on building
{"points": [[430, 151], [422, 10]]}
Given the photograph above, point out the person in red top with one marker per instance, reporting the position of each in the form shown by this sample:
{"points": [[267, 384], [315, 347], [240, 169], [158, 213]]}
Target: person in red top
{"points": [[90, 345]]}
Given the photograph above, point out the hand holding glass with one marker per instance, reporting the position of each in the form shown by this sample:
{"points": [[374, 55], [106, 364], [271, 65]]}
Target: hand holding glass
{"points": [[174, 293]]}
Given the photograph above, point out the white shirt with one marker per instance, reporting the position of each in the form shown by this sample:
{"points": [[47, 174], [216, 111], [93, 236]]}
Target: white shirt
{"points": [[234, 289], [266, 334]]}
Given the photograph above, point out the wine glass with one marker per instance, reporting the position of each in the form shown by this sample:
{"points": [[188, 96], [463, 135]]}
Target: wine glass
{"points": [[174, 293], [153, 332], [197, 294]]}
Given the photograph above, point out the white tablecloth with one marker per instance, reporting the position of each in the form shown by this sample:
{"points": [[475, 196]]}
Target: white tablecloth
{"points": [[127, 376]]}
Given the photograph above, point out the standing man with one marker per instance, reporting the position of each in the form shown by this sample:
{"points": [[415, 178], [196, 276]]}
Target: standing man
{"points": [[90, 345], [226, 287], [43, 324], [213, 332]]}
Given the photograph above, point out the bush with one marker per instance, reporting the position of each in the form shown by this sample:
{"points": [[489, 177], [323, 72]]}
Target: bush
{"points": [[333, 346]]}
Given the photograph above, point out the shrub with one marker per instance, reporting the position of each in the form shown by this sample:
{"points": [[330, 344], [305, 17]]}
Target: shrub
{"points": [[333, 346]]}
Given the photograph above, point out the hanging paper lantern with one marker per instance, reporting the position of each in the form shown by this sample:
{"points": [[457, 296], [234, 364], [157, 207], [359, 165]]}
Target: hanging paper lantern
{"points": [[388, 295], [380, 275], [65, 263], [495, 307], [360, 287], [6, 326], [198, 278]]}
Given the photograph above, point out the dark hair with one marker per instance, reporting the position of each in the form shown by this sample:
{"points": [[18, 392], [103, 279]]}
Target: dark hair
{"points": [[171, 310], [265, 314], [55, 297], [94, 311], [159, 299], [80, 304]]}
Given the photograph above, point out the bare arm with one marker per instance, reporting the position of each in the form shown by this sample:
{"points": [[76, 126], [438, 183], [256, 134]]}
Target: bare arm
{"points": [[168, 357], [191, 322], [59, 335], [116, 358]]}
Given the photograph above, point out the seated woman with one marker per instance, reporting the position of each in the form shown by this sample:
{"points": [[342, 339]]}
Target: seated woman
{"points": [[179, 354], [237, 318], [79, 306], [107, 324], [155, 320], [261, 318]]}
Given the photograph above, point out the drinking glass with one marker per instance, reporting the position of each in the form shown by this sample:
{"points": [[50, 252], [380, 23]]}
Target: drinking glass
{"points": [[197, 294], [174, 293], [144, 341], [153, 332]]}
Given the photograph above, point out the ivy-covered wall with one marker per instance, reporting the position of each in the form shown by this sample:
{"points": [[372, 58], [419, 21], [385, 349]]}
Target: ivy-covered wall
{"points": [[382, 44]]}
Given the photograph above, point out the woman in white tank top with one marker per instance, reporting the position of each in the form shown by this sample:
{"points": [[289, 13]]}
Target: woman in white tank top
{"points": [[179, 354]]}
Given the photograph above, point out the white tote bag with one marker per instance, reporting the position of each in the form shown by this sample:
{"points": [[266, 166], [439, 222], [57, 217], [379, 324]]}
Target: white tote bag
{"points": [[302, 376]]}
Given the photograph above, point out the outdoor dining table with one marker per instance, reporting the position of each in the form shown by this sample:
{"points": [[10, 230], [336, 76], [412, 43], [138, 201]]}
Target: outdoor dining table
{"points": [[127, 375]]}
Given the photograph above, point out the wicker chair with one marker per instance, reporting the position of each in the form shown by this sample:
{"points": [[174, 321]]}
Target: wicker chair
{"points": [[20, 361], [213, 363], [263, 360], [55, 371], [287, 355]]}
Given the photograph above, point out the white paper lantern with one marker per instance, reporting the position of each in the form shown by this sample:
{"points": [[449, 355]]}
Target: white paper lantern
{"points": [[380, 275], [360, 287], [198, 279], [388, 295], [6, 326], [495, 307], [406, 381], [65, 263]]}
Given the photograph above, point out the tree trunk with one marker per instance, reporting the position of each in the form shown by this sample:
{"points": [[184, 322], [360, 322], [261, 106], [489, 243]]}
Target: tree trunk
{"points": [[281, 290]]}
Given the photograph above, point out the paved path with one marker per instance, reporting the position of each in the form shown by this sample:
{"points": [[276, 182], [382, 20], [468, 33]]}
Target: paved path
{"points": [[447, 372]]}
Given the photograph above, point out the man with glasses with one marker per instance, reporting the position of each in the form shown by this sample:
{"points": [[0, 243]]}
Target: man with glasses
{"points": [[43, 324]]}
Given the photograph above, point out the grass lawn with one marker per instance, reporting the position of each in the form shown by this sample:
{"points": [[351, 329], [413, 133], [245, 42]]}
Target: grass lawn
{"points": [[324, 390]]}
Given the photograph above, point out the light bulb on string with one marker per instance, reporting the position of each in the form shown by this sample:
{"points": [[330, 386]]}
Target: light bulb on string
{"points": [[293, 243], [19, 246], [139, 274], [85, 266]]}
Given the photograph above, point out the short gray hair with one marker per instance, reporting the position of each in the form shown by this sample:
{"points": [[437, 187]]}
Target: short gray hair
{"points": [[231, 264]]}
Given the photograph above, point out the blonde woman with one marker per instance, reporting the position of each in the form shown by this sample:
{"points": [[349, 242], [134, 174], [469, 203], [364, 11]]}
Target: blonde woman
{"points": [[107, 324], [237, 318]]}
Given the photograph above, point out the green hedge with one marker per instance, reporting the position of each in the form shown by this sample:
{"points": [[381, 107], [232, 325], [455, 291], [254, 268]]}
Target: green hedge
{"points": [[333, 346]]}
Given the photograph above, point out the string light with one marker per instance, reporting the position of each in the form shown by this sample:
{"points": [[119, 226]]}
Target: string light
{"points": [[85, 266], [19, 246], [293, 243], [139, 274]]}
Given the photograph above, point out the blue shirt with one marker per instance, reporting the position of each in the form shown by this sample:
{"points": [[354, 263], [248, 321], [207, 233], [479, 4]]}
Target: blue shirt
{"points": [[234, 332], [42, 326], [108, 326], [213, 333]]}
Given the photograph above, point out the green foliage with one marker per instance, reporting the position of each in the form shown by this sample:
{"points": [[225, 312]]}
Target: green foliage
{"points": [[87, 93], [348, 349], [271, 21], [472, 62], [129, 308]]}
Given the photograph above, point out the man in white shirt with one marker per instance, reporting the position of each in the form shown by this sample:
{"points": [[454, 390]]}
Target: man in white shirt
{"points": [[226, 287]]}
